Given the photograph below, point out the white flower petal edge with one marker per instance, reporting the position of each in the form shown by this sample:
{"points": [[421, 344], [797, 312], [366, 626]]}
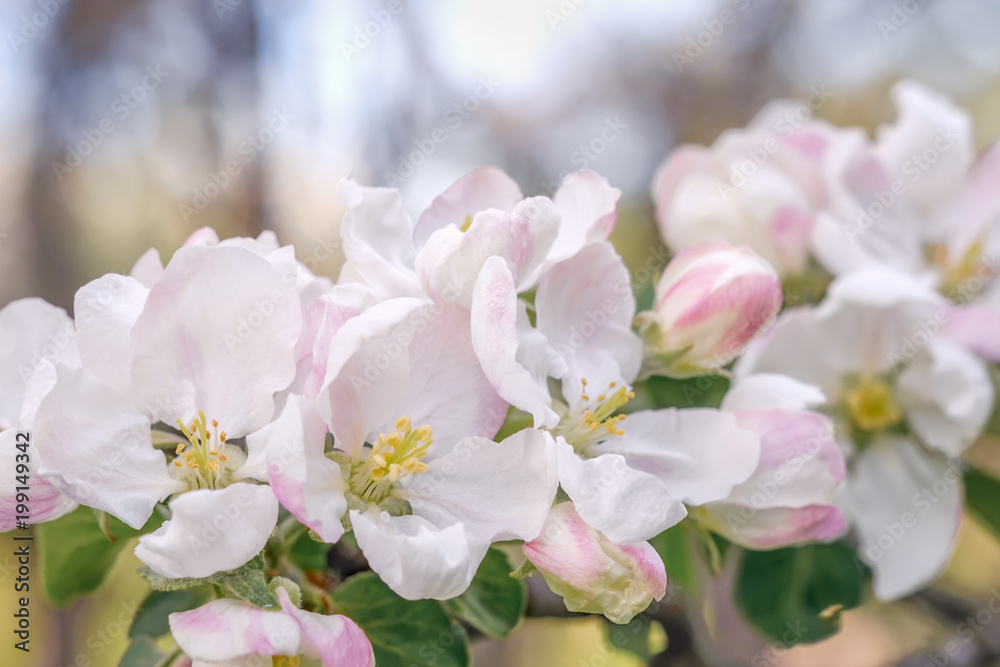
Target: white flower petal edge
{"points": [[211, 531], [907, 507]]}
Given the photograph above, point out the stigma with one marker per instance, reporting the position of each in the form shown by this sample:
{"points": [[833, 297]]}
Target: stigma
{"points": [[872, 405]]}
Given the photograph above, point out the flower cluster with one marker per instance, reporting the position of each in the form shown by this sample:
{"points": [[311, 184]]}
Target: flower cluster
{"points": [[480, 376]]}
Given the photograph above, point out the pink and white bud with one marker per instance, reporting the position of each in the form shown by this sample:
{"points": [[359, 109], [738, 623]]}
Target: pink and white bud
{"points": [[711, 301], [592, 573]]}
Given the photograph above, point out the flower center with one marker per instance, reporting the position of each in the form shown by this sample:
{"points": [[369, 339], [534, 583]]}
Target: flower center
{"points": [[283, 661], [392, 457], [596, 422], [958, 277], [206, 462], [872, 405], [467, 223]]}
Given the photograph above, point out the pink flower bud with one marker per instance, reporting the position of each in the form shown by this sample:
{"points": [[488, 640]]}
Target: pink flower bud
{"points": [[711, 301], [592, 573]]}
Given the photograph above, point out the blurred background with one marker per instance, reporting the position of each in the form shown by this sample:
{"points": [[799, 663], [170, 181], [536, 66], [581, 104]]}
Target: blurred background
{"points": [[127, 124]]}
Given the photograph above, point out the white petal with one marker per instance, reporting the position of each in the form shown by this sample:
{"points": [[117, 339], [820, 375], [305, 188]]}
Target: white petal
{"points": [[773, 527], [497, 333], [585, 308], [498, 491], [148, 269], [226, 630], [105, 311], [211, 531], [217, 334], [480, 189], [625, 504], [762, 391], [699, 455], [31, 330], [589, 209], [308, 484], [415, 558], [947, 396], [96, 448], [907, 507], [377, 241]]}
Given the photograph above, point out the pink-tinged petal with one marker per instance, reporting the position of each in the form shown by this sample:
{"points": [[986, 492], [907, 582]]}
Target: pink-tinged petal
{"points": [[589, 209], [218, 335], [591, 572], [608, 493], [227, 630], [378, 244], [148, 269], [906, 506], [681, 161], [800, 462], [927, 122], [96, 448], [322, 319], [763, 391], [585, 309], [947, 396], [451, 260], [711, 301], [698, 455], [967, 216], [206, 236], [45, 501], [481, 189], [978, 329], [31, 331], [211, 531], [497, 491], [415, 558], [774, 527], [105, 311], [307, 484], [791, 231], [501, 337], [336, 640]]}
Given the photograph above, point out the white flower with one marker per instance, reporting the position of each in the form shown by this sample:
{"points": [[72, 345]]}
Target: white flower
{"points": [[412, 465], [234, 632], [205, 350], [907, 401]]}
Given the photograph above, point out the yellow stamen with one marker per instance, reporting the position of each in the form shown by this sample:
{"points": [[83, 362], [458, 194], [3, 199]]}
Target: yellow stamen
{"points": [[872, 406], [393, 456]]}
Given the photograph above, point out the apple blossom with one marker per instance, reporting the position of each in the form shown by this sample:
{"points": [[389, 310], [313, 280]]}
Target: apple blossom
{"points": [[592, 573], [710, 302], [205, 349], [234, 632], [910, 401]]}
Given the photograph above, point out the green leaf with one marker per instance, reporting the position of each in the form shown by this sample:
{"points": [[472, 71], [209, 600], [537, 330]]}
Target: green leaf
{"points": [[633, 637], [244, 583], [309, 554], [494, 602], [76, 555], [151, 617], [674, 548], [403, 633], [704, 391], [795, 595], [982, 497], [143, 652]]}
